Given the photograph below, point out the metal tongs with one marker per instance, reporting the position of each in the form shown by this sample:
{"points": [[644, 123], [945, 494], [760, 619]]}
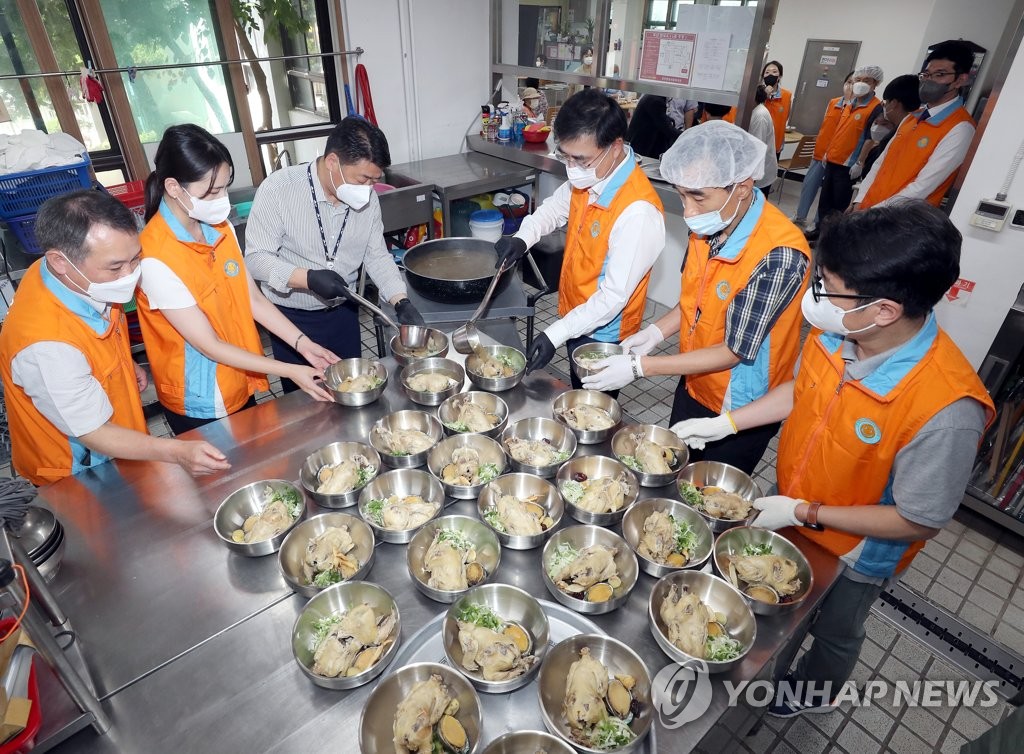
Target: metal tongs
{"points": [[411, 336], [466, 339]]}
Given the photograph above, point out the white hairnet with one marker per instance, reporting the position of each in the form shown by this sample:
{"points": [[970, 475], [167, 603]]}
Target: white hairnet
{"points": [[715, 154], [872, 72]]}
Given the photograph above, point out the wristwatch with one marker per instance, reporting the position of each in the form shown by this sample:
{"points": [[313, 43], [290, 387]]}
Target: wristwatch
{"points": [[811, 517]]}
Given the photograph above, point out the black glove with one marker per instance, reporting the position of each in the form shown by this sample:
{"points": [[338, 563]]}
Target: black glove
{"points": [[541, 352], [327, 284], [510, 250], [407, 314]]}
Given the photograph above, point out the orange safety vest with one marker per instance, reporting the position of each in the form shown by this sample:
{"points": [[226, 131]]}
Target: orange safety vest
{"points": [[779, 108], [909, 151], [214, 274], [708, 287], [839, 444], [586, 249], [45, 310], [849, 133], [828, 128]]}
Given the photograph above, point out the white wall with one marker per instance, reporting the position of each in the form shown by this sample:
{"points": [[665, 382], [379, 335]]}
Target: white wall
{"points": [[894, 34], [993, 260], [428, 64]]}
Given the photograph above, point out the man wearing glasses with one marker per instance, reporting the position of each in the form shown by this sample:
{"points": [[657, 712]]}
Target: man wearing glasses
{"points": [[616, 230], [923, 156], [882, 423]]}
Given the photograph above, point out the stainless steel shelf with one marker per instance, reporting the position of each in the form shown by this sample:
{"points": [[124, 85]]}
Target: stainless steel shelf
{"points": [[984, 504]]}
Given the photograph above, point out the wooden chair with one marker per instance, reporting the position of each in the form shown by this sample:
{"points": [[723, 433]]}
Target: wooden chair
{"points": [[801, 160]]}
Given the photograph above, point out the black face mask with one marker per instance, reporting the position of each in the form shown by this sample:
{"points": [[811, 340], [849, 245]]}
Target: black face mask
{"points": [[771, 80]]}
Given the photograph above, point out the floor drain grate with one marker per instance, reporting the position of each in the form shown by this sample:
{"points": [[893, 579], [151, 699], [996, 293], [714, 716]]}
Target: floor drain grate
{"points": [[949, 637]]}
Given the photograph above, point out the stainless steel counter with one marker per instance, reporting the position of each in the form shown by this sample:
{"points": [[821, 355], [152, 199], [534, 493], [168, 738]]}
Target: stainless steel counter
{"points": [[190, 643]]}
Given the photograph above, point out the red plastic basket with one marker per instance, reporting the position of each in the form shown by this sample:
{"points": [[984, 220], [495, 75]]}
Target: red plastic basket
{"points": [[23, 193], [132, 195], [35, 715]]}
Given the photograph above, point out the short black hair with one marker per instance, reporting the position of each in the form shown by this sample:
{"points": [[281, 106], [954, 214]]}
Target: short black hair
{"points": [[907, 252], [760, 94], [957, 53], [775, 63], [356, 139], [904, 89], [186, 153], [65, 220], [591, 112], [718, 111], [535, 83]]}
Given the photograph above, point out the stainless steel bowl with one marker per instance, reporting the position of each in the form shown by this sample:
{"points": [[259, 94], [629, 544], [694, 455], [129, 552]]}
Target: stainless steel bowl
{"points": [[437, 346], [718, 595], [330, 455], [335, 600], [633, 530], [496, 384], [488, 552], [419, 420], [511, 604], [605, 349], [293, 549], [49, 567], [376, 722], [624, 444], [730, 479], [401, 482], [451, 369], [337, 372], [248, 501], [528, 741], [584, 536], [448, 411], [38, 528], [597, 467], [618, 659], [733, 541], [441, 455], [522, 486], [538, 428], [572, 398]]}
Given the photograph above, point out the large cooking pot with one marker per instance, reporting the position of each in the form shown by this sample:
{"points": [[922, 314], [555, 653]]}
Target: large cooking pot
{"points": [[452, 270]]}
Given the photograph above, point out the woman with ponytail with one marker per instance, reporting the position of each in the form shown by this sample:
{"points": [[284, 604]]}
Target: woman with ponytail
{"points": [[198, 305]]}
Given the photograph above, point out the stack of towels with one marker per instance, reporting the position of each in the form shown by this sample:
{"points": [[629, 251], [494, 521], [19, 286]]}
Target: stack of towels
{"points": [[32, 150]]}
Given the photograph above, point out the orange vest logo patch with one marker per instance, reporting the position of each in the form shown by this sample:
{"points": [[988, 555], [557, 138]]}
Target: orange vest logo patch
{"points": [[231, 268], [867, 431], [722, 290], [595, 229], [922, 142]]}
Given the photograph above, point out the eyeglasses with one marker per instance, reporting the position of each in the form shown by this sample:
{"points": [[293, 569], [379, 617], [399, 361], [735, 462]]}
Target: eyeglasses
{"points": [[935, 75], [818, 291], [571, 160]]}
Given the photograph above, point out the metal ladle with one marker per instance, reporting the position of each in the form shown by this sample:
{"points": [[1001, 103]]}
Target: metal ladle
{"points": [[466, 339], [411, 336]]}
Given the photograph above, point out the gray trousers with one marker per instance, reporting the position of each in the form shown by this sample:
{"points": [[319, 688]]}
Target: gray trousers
{"points": [[838, 632]]}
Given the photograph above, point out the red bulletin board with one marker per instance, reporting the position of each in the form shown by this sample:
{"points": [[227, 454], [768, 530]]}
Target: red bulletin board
{"points": [[668, 56]]}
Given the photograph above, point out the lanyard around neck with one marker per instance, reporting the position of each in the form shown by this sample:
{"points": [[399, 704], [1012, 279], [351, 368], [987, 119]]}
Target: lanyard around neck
{"points": [[328, 254]]}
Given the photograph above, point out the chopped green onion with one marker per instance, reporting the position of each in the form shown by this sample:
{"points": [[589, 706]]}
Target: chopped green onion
{"points": [[365, 474], [564, 554], [456, 539], [722, 648], [323, 627], [480, 615], [762, 549], [487, 472], [328, 577], [288, 497], [686, 537], [457, 426], [611, 733], [632, 463], [491, 517], [691, 495], [375, 511], [573, 491]]}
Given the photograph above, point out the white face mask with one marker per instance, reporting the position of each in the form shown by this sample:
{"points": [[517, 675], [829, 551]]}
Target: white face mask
{"points": [[355, 196], [532, 103], [588, 60], [861, 88], [709, 223], [827, 316], [584, 178], [209, 211], [118, 291], [880, 132]]}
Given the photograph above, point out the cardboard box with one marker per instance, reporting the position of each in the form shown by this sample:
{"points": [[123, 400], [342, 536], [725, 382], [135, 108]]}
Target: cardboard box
{"points": [[15, 718]]}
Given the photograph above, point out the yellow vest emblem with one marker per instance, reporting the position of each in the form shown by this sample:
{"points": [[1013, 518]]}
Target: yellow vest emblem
{"points": [[595, 229], [231, 268], [922, 142]]}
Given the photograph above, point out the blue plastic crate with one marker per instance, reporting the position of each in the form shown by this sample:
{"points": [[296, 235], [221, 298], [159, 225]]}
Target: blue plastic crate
{"points": [[23, 193], [24, 229]]}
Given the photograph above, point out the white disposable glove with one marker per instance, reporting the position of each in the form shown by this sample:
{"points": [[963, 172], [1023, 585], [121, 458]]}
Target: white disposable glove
{"points": [[643, 342], [699, 432], [777, 512], [616, 371], [856, 171]]}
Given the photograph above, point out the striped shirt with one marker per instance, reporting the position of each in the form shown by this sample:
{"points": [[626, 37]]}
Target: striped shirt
{"points": [[773, 285], [282, 234]]}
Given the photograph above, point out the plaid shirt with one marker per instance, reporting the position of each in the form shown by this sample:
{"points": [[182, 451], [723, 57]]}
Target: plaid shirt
{"points": [[753, 312]]}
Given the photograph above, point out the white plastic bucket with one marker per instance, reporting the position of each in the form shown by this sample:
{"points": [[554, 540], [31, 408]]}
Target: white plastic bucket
{"points": [[486, 227]]}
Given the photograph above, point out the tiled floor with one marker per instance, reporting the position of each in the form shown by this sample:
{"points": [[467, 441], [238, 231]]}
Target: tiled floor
{"points": [[973, 569]]}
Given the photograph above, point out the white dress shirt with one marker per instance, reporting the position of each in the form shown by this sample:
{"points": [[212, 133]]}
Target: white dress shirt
{"points": [[949, 154], [634, 243]]}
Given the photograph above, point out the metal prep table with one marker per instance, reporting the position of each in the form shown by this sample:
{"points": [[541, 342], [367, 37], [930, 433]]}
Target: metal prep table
{"points": [[189, 643], [459, 176]]}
